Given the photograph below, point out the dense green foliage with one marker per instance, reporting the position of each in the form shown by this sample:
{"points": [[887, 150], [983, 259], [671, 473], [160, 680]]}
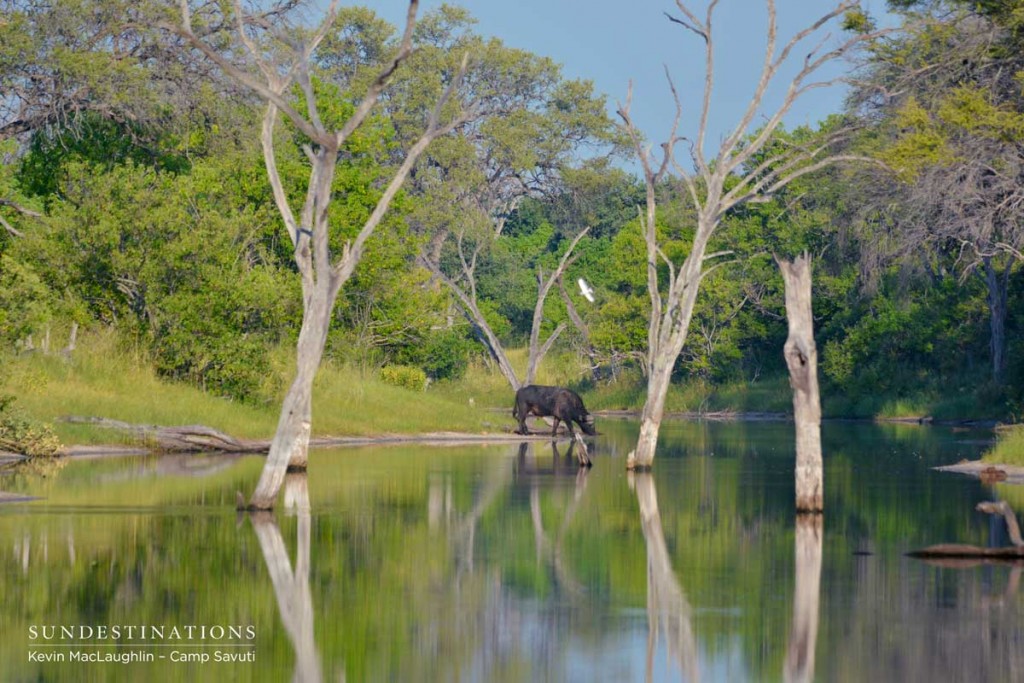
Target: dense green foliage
{"points": [[148, 213]]}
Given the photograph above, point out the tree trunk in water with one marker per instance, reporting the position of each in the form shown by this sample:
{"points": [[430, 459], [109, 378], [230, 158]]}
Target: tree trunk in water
{"points": [[289, 448], [802, 360], [804, 636], [650, 419], [997, 295]]}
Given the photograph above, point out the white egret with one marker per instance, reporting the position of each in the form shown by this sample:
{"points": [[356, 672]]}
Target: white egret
{"points": [[586, 290]]}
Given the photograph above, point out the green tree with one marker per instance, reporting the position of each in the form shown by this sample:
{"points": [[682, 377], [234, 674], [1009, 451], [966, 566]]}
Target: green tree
{"points": [[950, 125], [283, 57]]}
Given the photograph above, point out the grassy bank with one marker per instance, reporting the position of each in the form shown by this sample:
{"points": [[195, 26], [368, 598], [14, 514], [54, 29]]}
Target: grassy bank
{"points": [[106, 381], [696, 396], [1009, 447]]}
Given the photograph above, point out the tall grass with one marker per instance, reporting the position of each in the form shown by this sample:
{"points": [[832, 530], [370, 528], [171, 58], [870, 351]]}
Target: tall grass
{"points": [[104, 379], [108, 379], [695, 396], [487, 386], [1009, 447]]}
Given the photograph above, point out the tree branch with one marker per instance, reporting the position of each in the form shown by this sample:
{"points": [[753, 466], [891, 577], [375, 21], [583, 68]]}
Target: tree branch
{"points": [[354, 249]]}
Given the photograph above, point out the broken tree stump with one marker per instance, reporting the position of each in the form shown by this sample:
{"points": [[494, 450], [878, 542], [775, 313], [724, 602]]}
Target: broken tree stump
{"points": [[802, 360]]}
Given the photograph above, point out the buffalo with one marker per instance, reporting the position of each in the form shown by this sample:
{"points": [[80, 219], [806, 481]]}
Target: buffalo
{"points": [[557, 402]]}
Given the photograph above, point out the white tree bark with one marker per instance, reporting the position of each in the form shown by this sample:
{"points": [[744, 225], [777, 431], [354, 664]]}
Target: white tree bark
{"points": [[322, 275], [802, 360], [668, 610], [799, 666], [537, 349], [467, 298], [744, 170], [294, 597]]}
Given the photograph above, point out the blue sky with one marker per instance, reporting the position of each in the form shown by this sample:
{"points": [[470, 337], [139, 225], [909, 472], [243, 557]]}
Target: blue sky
{"points": [[613, 41]]}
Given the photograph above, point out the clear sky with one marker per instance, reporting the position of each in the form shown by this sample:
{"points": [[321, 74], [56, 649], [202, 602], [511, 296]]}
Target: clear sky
{"points": [[614, 41]]}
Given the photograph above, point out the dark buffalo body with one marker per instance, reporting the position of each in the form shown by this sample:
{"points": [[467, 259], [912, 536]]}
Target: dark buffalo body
{"points": [[557, 402]]}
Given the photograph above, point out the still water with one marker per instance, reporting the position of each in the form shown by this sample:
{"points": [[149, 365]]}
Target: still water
{"points": [[505, 563]]}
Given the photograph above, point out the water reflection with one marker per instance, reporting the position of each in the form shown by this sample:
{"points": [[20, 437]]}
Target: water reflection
{"points": [[513, 564], [291, 587], [668, 610], [804, 633], [552, 551]]}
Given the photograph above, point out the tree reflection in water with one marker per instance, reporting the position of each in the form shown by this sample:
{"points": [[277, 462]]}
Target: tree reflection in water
{"points": [[550, 551], [804, 635], [294, 599], [668, 610]]}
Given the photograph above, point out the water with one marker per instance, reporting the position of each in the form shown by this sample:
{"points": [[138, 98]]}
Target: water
{"points": [[501, 563]]}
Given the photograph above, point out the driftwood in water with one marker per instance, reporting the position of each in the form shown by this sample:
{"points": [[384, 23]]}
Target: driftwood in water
{"points": [[962, 550], [182, 439]]}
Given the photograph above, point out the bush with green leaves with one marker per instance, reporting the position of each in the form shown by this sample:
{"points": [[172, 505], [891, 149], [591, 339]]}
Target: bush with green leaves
{"points": [[21, 434], [444, 354], [404, 376]]}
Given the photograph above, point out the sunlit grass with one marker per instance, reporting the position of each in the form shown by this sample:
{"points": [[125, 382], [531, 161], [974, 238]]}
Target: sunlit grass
{"points": [[905, 408], [1009, 447], [105, 380], [486, 385], [696, 396]]}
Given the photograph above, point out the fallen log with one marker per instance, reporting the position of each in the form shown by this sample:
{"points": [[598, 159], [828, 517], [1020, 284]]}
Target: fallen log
{"points": [[200, 438], [961, 550], [182, 439]]}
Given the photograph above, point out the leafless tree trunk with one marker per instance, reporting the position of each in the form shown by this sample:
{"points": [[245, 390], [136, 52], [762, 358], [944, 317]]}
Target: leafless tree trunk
{"points": [[802, 360], [803, 637], [466, 294], [294, 598], [668, 609], [552, 552], [322, 275], [754, 174], [998, 288], [581, 327], [538, 350]]}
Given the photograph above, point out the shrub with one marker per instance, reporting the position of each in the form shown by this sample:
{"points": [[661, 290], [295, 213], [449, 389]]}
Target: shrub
{"points": [[404, 376], [442, 355], [21, 434]]}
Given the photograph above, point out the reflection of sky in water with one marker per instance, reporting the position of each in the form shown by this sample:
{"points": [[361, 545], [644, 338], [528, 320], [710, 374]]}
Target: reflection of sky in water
{"points": [[624, 658], [486, 564]]}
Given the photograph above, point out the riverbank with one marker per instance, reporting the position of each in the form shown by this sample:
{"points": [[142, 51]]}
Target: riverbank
{"points": [[356, 404]]}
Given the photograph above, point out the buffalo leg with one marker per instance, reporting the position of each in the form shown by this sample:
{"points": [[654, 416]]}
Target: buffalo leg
{"points": [[522, 422]]}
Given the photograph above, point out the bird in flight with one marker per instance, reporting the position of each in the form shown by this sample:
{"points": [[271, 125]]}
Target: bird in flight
{"points": [[586, 290]]}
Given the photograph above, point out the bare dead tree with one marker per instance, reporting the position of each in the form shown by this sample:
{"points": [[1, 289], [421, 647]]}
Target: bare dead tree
{"points": [[282, 59], [464, 289], [581, 327], [755, 171], [802, 361]]}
